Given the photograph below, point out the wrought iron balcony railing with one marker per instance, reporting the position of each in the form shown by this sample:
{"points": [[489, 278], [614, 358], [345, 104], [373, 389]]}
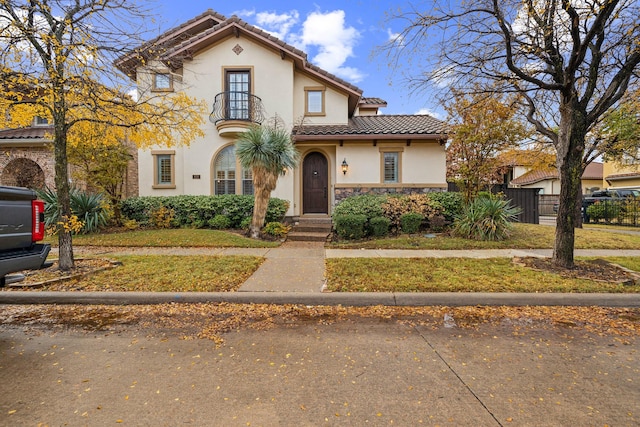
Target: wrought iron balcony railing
{"points": [[240, 106]]}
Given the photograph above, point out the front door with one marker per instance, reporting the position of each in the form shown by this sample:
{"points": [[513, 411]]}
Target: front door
{"points": [[315, 196]]}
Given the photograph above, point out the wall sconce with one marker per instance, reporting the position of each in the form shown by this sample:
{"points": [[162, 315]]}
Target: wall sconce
{"points": [[345, 166]]}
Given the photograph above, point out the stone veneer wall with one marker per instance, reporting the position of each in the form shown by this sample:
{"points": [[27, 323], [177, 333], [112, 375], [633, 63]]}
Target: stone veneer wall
{"points": [[342, 193], [43, 156]]}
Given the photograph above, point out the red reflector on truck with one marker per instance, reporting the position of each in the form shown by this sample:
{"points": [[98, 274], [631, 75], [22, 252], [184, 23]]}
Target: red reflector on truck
{"points": [[37, 229]]}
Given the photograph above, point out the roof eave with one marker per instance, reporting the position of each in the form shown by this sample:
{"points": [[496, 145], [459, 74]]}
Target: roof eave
{"points": [[372, 136]]}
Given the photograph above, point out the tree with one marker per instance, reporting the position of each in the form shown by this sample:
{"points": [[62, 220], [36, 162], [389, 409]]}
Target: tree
{"points": [[268, 151], [483, 127], [102, 166], [620, 132], [56, 60], [570, 61]]}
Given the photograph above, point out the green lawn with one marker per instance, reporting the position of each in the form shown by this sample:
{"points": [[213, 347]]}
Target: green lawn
{"points": [[175, 237], [155, 273], [455, 275], [525, 236]]}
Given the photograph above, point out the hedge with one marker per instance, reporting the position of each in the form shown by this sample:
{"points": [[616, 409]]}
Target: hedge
{"points": [[200, 211]]}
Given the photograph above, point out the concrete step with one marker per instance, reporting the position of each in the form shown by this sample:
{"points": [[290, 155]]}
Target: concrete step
{"points": [[312, 228], [297, 236]]}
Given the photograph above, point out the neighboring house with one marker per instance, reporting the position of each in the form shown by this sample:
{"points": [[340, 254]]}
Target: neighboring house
{"points": [[248, 76], [549, 180], [27, 159], [617, 175]]}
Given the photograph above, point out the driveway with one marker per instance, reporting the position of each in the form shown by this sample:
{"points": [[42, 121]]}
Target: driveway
{"points": [[325, 370]]}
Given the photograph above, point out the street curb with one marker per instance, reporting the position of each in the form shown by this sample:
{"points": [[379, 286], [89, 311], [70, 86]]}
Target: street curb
{"points": [[330, 298]]}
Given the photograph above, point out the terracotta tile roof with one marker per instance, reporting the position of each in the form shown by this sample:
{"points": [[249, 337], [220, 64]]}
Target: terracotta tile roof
{"points": [[373, 101], [187, 47], [380, 126], [127, 63], [592, 171], [534, 176], [621, 176], [32, 132]]}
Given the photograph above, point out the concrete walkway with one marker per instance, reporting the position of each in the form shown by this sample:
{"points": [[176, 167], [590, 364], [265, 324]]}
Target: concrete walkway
{"points": [[294, 274]]}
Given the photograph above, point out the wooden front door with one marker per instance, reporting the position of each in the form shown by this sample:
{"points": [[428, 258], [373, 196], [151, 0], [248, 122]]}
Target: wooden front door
{"points": [[315, 192]]}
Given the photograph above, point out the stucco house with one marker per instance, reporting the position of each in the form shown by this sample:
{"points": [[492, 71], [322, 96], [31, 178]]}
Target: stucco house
{"points": [[248, 76], [549, 180]]}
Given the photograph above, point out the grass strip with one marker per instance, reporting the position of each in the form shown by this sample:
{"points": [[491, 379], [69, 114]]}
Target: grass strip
{"points": [[453, 275], [524, 236], [155, 273], [175, 237]]}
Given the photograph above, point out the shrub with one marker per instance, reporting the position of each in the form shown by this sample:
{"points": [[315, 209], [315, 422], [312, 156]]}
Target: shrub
{"points": [[397, 206], [368, 205], [379, 226], [451, 203], [219, 222], [88, 208], [131, 224], [606, 210], [276, 229], [162, 217], [486, 218], [196, 211], [350, 226], [246, 223], [410, 222]]}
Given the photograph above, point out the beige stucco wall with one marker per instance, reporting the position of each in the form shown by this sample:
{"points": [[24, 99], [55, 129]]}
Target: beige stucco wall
{"points": [[421, 163], [336, 106]]}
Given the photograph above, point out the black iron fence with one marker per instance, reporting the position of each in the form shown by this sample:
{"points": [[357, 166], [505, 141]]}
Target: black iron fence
{"points": [[619, 211]]}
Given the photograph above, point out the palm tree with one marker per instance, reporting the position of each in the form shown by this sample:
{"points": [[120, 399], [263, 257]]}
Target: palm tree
{"points": [[268, 151]]}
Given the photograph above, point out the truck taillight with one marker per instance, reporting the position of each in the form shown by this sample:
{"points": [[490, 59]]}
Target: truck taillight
{"points": [[37, 229]]}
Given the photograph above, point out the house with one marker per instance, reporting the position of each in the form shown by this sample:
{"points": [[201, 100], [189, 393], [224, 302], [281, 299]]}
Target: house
{"points": [[27, 159], [248, 76], [548, 180], [621, 175]]}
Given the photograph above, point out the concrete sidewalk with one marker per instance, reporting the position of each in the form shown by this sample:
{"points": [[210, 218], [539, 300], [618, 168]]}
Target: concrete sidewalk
{"points": [[294, 274]]}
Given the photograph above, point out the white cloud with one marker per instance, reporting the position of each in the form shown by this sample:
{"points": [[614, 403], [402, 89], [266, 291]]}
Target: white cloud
{"points": [[428, 112], [334, 41], [395, 38], [277, 24]]}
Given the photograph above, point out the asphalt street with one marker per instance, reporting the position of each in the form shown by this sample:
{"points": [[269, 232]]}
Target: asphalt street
{"points": [[352, 372]]}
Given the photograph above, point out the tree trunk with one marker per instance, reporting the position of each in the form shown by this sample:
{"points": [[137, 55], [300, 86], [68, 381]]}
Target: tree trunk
{"points": [[570, 150], [263, 184], [65, 255]]}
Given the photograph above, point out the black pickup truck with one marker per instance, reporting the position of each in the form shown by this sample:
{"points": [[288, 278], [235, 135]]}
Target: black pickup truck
{"points": [[21, 227]]}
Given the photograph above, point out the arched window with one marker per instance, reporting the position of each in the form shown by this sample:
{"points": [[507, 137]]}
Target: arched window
{"points": [[225, 175], [225, 171]]}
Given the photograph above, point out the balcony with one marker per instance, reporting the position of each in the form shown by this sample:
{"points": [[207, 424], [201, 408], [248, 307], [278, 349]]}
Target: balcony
{"points": [[234, 112]]}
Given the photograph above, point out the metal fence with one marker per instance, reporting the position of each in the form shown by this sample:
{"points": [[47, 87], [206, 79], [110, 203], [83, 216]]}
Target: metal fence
{"points": [[624, 212]]}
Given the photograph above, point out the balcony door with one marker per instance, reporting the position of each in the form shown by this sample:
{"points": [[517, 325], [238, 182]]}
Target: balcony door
{"points": [[238, 88]]}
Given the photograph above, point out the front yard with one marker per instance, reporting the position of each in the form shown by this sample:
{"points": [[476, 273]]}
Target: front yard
{"points": [[227, 273]]}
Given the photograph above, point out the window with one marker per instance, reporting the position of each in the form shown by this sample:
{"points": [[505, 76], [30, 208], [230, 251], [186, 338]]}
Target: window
{"points": [[162, 82], [225, 175], [163, 169], [390, 165], [40, 121], [238, 88], [225, 171], [314, 101], [247, 181]]}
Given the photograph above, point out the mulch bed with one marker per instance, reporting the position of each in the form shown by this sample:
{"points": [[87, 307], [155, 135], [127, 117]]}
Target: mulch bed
{"points": [[597, 269], [53, 274]]}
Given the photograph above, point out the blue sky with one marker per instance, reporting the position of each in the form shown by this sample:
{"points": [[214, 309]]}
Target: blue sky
{"points": [[338, 36]]}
